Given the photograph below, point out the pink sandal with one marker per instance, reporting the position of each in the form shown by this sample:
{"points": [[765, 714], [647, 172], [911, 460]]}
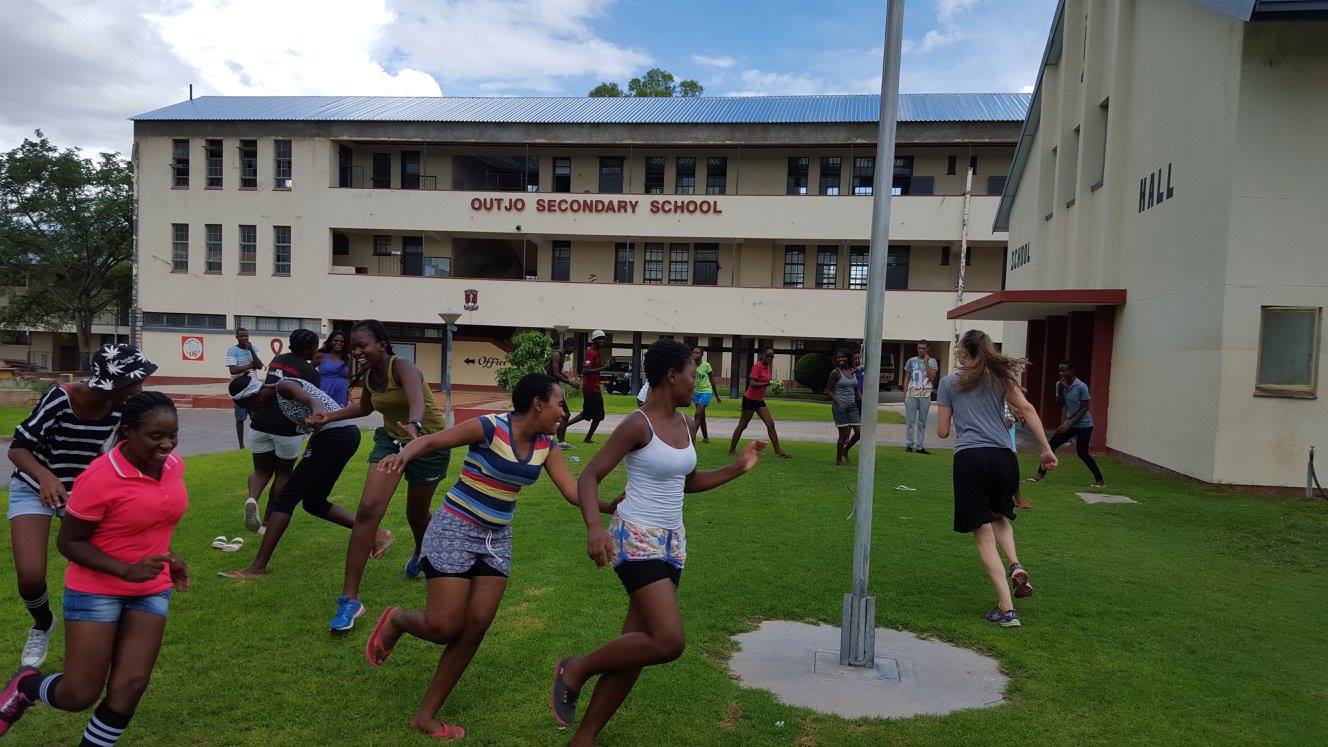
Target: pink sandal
{"points": [[448, 732], [380, 548], [374, 650]]}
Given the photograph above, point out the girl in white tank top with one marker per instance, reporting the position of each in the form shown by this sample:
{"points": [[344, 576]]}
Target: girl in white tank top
{"points": [[645, 543]]}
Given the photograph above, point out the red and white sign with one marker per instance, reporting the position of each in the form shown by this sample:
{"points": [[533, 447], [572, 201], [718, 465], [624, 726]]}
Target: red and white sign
{"points": [[596, 205], [191, 348]]}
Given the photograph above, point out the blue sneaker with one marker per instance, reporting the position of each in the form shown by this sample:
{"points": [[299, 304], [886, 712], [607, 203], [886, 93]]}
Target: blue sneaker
{"points": [[413, 567], [347, 611], [1004, 619]]}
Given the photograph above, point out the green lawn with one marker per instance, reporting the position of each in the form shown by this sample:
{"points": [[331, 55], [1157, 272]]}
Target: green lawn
{"points": [[781, 409], [1194, 617], [10, 417]]}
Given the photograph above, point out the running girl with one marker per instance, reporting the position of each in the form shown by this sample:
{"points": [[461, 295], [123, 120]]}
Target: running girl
{"points": [[468, 548], [326, 455], [122, 571], [753, 403], [845, 405], [395, 388], [646, 542], [66, 431], [706, 394], [986, 471]]}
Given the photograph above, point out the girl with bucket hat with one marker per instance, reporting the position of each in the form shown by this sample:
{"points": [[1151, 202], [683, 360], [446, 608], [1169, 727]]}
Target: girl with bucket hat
{"points": [[68, 428]]}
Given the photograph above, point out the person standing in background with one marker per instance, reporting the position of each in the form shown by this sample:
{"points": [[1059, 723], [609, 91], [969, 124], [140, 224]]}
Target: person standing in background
{"points": [[920, 374], [1072, 394], [592, 392], [334, 368], [706, 393], [845, 405], [241, 360], [557, 371]]}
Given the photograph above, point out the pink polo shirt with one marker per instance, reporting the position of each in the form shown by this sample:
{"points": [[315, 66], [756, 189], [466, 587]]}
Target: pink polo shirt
{"points": [[135, 517]]}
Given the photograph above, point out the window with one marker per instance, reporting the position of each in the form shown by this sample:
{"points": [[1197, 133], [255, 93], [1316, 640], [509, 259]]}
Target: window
{"points": [[212, 249], [1289, 350], [412, 256], [797, 176], [827, 266], [248, 164], [180, 164], [562, 174], [864, 173], [532, 174], [1071, 183], [179, 247], [857, 267], [717, 175], [795, 265], [382, 245], [624, 258], [922, 185], [281, 164], [345, 166], [562, 261], [276, 323], [1047, 184], [340, 245], [1097, 169], [678, 263], [896, 268], [945, 255], [684, 178], [248, 249], [212, 164], [832, 168], [281, 250], [611, 174], [902, 179], [184, 321], [410, 169], [950, 165], [655, 175], [973, 164], [996, 185], [437, 267], [382, 171], [653, 271], [705, 265], [968, 258]]}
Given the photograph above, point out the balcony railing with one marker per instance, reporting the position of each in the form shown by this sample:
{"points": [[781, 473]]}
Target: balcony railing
{"points": [[355, 177]]}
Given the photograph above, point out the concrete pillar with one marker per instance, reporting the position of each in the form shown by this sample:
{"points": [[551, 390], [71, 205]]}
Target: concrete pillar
{"points": [[1104, 338], [638, 375], [735, 368]]}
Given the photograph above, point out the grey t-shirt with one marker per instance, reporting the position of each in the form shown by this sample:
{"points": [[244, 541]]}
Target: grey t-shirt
{"points": [[978, 414], [1075, 396]]}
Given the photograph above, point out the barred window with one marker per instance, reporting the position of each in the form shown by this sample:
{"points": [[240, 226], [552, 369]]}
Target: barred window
{"points": [[653, 270], [684, 176], [562, 260], [832, 168], [179, 247], [276, 323], [827, 266], [795, 265], [163, 319], [281, 250], [212, 248], [248, 250], [705, 264], [857, 268], [717, 175], [678, 263]]}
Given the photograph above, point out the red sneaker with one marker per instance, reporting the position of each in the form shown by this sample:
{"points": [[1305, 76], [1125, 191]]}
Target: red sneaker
{"points": [[13, 704]]}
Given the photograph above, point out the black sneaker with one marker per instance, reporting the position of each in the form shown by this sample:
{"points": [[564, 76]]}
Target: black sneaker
{"points": [[923, 451], [563, 699], [909, 449]]}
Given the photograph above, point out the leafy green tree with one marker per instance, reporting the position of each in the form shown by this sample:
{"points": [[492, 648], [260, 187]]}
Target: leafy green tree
{"points": [[656, 82], [690, 88], [531, 352], [606, 90], [66, 238]]}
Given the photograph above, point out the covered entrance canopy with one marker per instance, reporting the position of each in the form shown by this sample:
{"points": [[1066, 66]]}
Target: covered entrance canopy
{"points": [[1026, 305]]}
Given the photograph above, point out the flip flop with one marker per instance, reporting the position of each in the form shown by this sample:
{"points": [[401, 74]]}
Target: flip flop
{"points": [[373, 648], [380, 550], [219, 542], [448, 732], [234, 545]]}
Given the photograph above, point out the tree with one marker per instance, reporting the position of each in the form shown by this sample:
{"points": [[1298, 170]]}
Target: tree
{"points": [[655, 82], [813, 371], [66, 238], [530, 354]]}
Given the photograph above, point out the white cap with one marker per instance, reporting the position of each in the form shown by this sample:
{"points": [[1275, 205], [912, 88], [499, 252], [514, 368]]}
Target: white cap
{"points": [[597, 334]]}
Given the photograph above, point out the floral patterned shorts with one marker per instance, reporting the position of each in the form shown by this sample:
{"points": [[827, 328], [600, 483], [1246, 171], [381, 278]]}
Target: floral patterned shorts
{"points": [[647, 543]]}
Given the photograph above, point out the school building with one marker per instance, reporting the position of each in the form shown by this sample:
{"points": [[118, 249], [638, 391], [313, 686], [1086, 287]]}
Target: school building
{"points": [[732, 223], [1167, 219]]}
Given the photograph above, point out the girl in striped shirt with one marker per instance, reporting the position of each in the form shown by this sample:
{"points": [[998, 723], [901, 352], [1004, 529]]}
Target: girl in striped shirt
{"points": [[467, 549]]}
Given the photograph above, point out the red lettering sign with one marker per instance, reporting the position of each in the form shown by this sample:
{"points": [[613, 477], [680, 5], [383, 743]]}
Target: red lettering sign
{"points": [[688, 207], [595, 206]]}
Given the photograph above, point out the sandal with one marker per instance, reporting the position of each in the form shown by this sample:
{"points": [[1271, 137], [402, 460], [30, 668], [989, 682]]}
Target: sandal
{"points": [[448, 732], [374, 650], [380, 548], [219, 542], [233, 546]]}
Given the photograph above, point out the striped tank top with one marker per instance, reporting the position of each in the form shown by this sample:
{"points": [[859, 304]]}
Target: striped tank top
{"points": [[493, 474]]}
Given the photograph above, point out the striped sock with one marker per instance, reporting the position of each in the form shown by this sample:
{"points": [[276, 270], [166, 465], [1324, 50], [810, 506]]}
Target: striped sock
{"points": [[39, 607], [40, 689], [105, 728]]}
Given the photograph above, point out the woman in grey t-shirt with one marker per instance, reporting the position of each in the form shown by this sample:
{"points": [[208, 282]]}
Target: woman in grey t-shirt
{"points": [[986, 471]]}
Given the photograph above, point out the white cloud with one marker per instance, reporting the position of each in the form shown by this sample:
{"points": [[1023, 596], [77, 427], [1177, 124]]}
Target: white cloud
{"points": [[719, 63], [759, 83], [946, 10], [1026, 88]]}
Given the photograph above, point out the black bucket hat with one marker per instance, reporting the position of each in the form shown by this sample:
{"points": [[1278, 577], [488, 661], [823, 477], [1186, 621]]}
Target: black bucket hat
{"points": [[118, 366]]}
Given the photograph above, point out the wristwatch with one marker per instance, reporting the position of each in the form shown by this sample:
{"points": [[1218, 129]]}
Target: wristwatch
{"points": [[419, 427]]}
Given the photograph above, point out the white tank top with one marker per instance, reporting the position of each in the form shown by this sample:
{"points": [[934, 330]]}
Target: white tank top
{"points": [[656, 474]]}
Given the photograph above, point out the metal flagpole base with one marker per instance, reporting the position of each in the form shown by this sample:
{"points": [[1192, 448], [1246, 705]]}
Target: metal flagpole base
{"points": [[857, 634]]}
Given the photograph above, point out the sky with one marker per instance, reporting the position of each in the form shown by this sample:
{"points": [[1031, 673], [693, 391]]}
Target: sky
{"points": [[77, 69]]}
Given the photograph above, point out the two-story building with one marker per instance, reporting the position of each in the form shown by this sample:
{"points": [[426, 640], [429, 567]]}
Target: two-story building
{"points": [[730, 223]]}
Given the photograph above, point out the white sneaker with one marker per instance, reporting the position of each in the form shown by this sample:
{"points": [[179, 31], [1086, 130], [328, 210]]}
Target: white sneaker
{"points": [[251, 515], [37, 647]]}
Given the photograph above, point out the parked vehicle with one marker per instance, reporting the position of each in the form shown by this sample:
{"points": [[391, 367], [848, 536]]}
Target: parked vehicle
{"points": [[617, 378]]}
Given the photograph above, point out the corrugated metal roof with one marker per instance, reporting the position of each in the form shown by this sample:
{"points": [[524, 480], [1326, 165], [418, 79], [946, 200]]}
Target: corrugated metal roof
{"points": [[913, 107]]}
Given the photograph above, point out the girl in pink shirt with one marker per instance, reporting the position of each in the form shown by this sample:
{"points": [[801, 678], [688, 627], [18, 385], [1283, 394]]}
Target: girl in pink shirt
{"points": [[122, 512], [753, 403]]}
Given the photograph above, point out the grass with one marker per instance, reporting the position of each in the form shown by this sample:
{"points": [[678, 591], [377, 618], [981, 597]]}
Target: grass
{"points": [[11, 416], [1194, 617], [781, 409]]}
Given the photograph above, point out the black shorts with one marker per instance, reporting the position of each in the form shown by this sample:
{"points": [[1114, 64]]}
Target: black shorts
{"points": [[592, 406], [636, 574], [752, 405], [479, 568], [985, 481], [325, 456]]}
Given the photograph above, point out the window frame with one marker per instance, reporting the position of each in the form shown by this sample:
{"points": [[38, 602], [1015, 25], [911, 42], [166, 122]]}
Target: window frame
{"points": [[605, 167], [179, 248], [654, 174], [380, 179], [679, 270], [212, 157], [180, 163], [248, 266], [680, 174], [212, 253], [412, 169], [562, 182], [832, 250], [856, 268], [822, 187], [799, 168], [562, 259], [248, 152], [717, 175], [624, 262], [795, 266], [701, 261], [190, 321], [282, 173], [869, 188], [277, 245], [652, 270], [1294, 391]]}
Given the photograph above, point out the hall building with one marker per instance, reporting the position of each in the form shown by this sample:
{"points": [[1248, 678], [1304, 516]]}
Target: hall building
{"points": [[1167, 216], [730, 223]]}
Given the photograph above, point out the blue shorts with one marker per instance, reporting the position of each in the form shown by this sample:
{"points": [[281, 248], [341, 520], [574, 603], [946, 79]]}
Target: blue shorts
{"points": [[80, 606], [241, 414], [24, 501], [703, 398]]}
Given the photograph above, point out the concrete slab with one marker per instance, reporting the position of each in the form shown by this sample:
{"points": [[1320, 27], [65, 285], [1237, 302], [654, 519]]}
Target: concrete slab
{"points": [[1104, 498], [799, 664]]}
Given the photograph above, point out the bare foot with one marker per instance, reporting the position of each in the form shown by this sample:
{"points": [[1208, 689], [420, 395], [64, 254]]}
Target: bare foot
{"points": [[242, 575], [783, 455], [436, 729], [382, 541]]}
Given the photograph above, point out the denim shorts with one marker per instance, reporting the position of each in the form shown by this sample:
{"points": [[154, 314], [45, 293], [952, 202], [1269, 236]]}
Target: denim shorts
{"points": [[241, 414], [80, 606], [24, 501]]}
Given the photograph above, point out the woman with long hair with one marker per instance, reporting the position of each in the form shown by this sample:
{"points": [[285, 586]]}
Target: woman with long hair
{"points": [[65, 432], [845, 405], [334, 367], [705, 395], [753, 403], [394, 387], [467, 552], [122, 571], [645, 543], [986, 470]]}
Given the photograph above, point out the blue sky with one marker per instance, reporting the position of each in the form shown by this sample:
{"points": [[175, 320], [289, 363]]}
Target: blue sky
{"points": [[78, 68]]}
